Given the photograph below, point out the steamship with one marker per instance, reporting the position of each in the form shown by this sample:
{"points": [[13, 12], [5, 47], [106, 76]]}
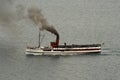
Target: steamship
{"points": [[56, 49]]}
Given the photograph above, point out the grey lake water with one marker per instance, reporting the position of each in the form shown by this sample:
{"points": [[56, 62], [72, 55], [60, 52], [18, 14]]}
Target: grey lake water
{"points": [[78, 22]]}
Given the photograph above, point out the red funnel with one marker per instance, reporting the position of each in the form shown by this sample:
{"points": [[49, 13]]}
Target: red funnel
{"points": [[55, 44]]}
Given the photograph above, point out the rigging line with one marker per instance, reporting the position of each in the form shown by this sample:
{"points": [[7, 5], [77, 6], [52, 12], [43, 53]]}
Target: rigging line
{"points": [[42, 38]]}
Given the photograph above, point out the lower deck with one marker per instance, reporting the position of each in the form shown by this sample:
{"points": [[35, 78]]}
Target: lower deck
{"points": [[65, 50]]}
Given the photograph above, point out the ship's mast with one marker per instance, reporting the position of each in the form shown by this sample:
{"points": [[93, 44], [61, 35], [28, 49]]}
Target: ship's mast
{"points": [[39, 42]]}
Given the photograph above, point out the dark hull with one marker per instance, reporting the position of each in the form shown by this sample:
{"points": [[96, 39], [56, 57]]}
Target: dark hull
{"points": [[79, 46]]}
